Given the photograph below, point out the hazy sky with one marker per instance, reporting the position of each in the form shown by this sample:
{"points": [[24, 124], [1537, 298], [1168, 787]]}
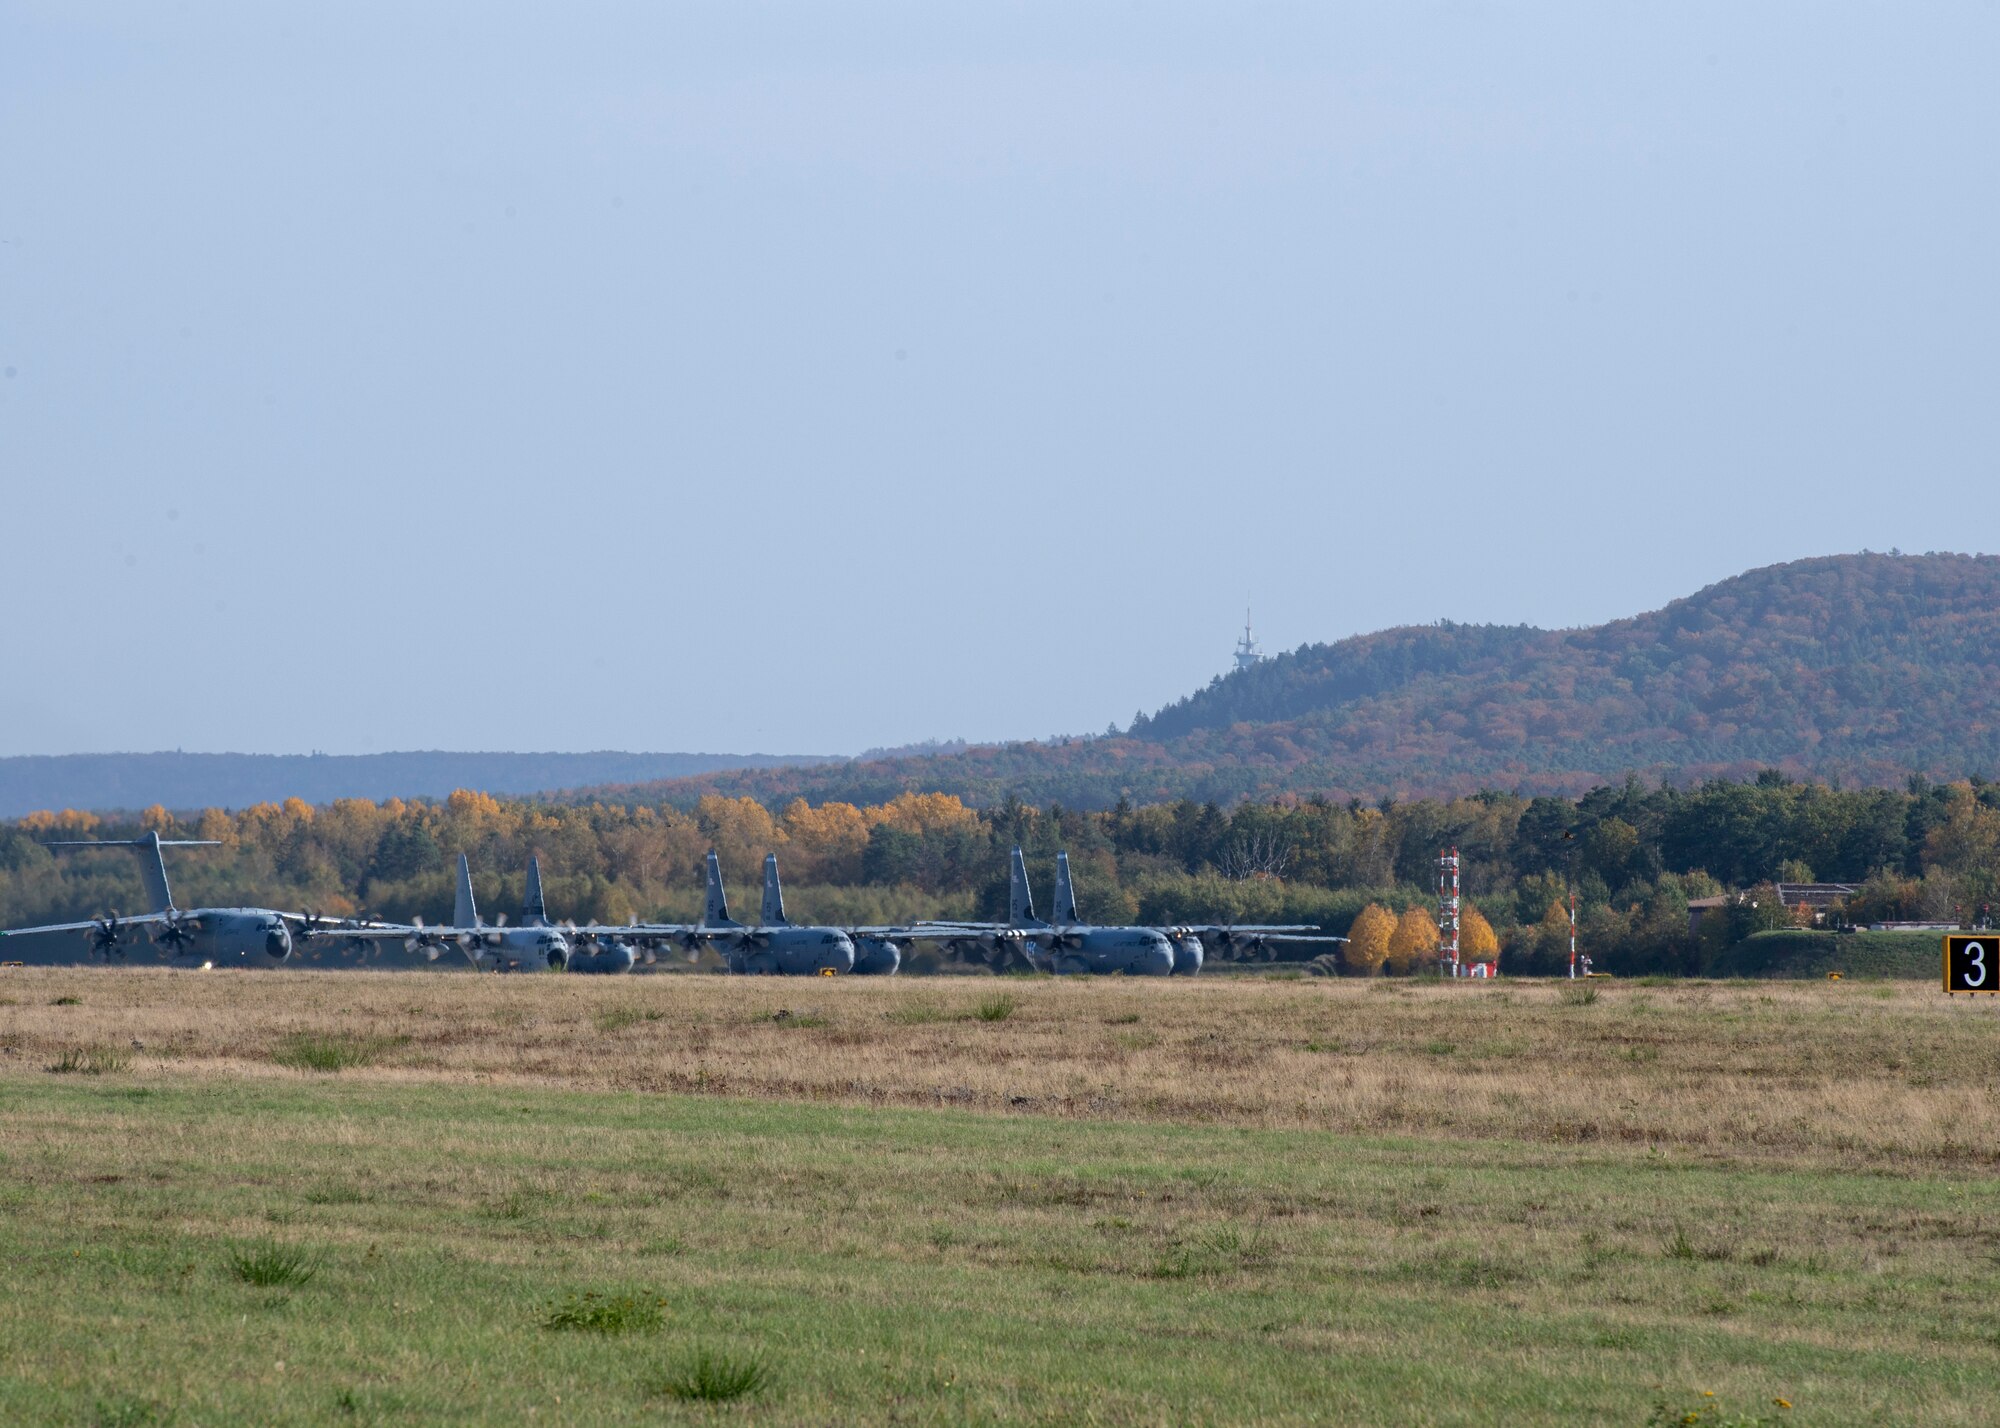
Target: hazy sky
{"points": [[805, 377]]}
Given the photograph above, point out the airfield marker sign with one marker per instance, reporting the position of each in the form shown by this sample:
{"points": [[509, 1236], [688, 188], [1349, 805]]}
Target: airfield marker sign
{"points": [[1971, 962]]}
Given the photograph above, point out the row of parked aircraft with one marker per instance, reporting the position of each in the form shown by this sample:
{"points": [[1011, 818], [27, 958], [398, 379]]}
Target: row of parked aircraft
{"points": [[774, 945]]}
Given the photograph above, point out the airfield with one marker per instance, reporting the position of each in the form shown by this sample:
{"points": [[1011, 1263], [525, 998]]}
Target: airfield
{"points": [[986, 1200]]}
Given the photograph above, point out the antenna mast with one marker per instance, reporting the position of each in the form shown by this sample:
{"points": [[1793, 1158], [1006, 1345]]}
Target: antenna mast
{"points": [[1448, 907], [1247, 652]]}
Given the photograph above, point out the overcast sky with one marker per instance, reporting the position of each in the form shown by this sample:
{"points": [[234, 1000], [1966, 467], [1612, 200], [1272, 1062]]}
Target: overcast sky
{"points": [[805, 377]]}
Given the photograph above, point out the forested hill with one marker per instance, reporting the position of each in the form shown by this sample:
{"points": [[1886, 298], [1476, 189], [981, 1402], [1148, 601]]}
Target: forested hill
{"points": [[1860, 667], [193, 781]]}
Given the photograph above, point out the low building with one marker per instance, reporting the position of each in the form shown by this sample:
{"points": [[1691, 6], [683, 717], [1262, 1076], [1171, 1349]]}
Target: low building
{"points": [[1699, 906], [1819, 897]]}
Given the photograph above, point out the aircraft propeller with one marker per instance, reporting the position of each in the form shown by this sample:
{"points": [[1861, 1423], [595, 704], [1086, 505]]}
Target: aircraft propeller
{"points": [[427, 942], [176, 934], [104, 936]]}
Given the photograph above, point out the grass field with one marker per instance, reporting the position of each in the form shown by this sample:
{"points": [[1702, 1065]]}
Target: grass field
{"points": [[352, 1198], [1910, 955]]}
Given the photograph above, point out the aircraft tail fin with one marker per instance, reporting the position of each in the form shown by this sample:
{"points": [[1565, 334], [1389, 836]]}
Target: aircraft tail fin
{"points": [[464, 912], [715, 911], [773, 912], [152, 865], [534, 912], [1020, 898], [1065, 908]]}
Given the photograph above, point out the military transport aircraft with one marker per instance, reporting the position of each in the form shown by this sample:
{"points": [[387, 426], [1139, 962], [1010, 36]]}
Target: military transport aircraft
{"points": [[1066, 944], [1069, 946], [204, 936], [1237, 942], [774, 946], [534, 944]]}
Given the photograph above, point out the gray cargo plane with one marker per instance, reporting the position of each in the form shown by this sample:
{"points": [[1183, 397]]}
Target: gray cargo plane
{"points": [[774, 947], [1238, 943], [1068, 946], [532, 945], [207, 936], [592, 948], [1065, 944]]}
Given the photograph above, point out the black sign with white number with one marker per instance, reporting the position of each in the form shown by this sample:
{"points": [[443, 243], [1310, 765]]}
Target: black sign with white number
{"points": [[1972, 962]]}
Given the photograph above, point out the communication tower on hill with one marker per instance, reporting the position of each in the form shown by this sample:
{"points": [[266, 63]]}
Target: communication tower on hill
{"points": [[1247, 652]]}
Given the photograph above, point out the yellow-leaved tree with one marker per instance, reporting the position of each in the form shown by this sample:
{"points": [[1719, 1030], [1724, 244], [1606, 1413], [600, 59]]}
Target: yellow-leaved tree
{"points": [[827, 842], [1367, 945], [741, 830], [1476, 942], [1552, 936], [1413, 945]]}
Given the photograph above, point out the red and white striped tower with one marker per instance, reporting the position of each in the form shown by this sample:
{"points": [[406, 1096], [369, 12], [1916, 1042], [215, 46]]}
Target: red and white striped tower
{"points": [[1572, 934], [1448, 907]]}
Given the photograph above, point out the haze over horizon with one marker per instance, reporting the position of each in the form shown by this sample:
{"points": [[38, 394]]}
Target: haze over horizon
{"points": [[768, 377]]}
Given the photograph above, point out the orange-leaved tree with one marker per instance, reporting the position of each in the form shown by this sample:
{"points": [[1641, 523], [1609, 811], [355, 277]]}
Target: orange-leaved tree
{"points": [[1476, 942], [1414, 943], [1367, 945]]}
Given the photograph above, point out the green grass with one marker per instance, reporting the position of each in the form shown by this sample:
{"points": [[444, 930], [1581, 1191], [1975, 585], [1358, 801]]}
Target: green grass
{"points": [[314, 1051], [618, 1018], [944, 1267], [710, 1377], [917, 1013], [595, 1313], [997, 1008], [1905, 956], [803, 1021], [271, 1265], [88, 1061]]}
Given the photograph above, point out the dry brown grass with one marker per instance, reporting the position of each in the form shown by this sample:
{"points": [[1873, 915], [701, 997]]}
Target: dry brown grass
{"points": [[1804, 1073]]}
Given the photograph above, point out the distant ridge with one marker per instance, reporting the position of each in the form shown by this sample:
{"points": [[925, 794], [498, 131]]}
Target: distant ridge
{"points": [[102, 782], [1866, 668]]}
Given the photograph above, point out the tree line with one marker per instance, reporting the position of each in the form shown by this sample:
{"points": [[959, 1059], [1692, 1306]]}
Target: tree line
{"points": [[1634, 853]]}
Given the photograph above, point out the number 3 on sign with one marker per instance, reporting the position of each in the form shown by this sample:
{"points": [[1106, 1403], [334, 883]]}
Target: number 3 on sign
{"points": [[1971, 963]]}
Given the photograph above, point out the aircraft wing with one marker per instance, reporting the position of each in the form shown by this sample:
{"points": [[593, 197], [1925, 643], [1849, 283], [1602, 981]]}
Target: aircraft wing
{"points": [[139, 919], [926, 931], [958, 931], [1292, 937], [1254, 934], [639, 931], [1254, 929], [395, 931]]}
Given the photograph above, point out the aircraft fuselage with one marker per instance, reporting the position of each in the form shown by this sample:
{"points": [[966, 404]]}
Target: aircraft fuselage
{"points": [[523, 949], [792, 952], [216, 936], [876, 957], [1135, 951], [1188, 953], [602, 958]]}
